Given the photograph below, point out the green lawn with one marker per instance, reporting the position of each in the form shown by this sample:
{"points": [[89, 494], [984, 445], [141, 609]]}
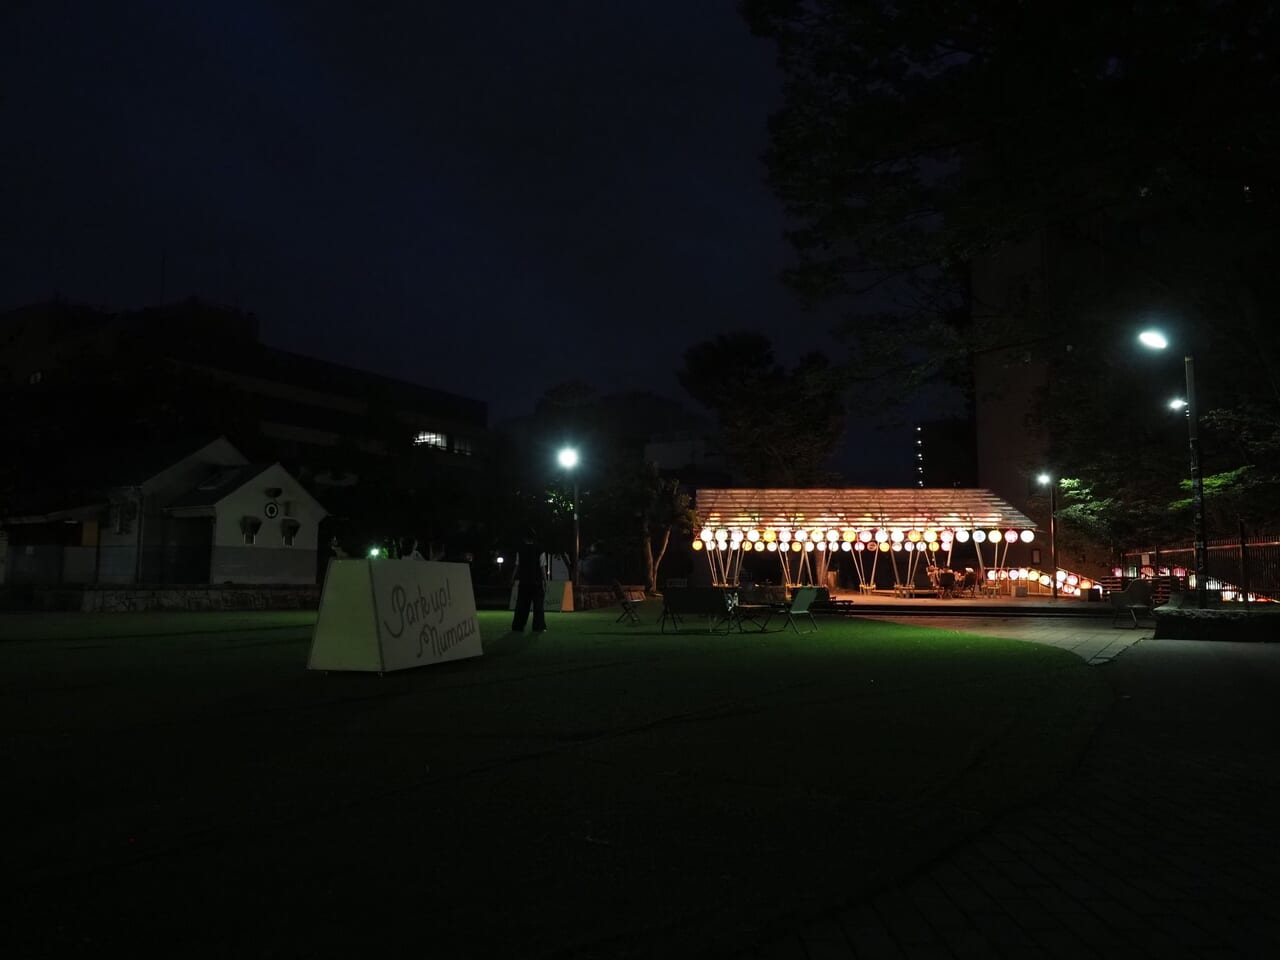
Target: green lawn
{"points": [[586, 789]]}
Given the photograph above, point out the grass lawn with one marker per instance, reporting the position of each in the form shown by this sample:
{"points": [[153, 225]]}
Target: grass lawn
{"points": [[598, 789]]}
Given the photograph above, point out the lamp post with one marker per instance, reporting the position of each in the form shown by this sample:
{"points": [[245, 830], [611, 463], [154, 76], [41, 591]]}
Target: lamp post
{"points": [[1045, 479], [1154, 340], [568, 458]]}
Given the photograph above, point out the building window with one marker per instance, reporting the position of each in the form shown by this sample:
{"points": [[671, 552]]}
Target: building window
{"points": [[429, 438], [250, 539], [462, 446], [288, 539], [288, 530], [36, 377]]}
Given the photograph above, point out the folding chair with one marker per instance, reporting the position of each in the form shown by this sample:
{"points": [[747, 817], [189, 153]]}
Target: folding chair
{"points": [[799, 607], [628, 603]]}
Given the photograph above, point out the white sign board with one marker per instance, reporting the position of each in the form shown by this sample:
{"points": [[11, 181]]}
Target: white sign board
{"points": [[558, 596], [384, 615]]}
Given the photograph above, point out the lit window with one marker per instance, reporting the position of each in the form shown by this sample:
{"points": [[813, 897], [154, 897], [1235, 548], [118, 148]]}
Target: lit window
{"points": [[428, 438], [462, 446]]}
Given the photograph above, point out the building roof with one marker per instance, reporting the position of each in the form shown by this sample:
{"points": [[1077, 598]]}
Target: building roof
{"points": [[213, 488], [858, 508]]}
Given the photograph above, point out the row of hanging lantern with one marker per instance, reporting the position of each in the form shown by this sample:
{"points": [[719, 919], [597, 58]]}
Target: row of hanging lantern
{"points": [[883, 539], [1070, 584]]}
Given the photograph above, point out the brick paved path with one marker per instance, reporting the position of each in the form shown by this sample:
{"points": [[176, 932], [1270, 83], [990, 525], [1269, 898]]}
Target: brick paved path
{"points": [[1162, 845]]}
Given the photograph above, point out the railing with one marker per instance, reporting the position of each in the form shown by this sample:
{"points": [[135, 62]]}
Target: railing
{"points": [[1248, 566]]}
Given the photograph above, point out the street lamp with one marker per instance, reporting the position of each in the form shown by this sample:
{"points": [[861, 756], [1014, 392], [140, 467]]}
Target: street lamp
{"points": [[1045, 479], [1155, 340], [568, 458]]}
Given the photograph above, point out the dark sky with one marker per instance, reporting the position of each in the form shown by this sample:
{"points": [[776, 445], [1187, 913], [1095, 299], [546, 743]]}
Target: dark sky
{"points": [[488, 198]]}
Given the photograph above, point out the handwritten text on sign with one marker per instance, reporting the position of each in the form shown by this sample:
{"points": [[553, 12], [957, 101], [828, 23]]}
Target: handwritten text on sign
{"points": [[426, 612]]}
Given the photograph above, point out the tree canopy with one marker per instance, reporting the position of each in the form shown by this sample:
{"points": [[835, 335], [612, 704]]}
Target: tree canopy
{"points": [[777, 427], [1028, 172]]}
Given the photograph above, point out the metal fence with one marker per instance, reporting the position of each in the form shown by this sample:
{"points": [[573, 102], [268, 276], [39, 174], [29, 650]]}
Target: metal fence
{"points": [[1249, 564]]}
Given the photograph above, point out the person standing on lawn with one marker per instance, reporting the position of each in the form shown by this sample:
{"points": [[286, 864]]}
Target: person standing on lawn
{"points": [[530, 572]]}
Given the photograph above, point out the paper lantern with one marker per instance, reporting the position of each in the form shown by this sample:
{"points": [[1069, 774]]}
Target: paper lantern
{"points": [[1027, 536], [897, 536], [821, 545], [1011, 536], [934, 546], [914, 536], [795, 546], [962, 536], [833, 536], [808, 546], [908, 546], [864, 536], [753, 534], [734, 544], [859, 546], [849, 535], [722, 535], [930, 536], [846, 546], [882, 535], [801, 535], [884, 546], [771, 546], [979, 536], [993, 535], [697, 544], [897, 547], [769, 536], [784, 535], [706, 535]]}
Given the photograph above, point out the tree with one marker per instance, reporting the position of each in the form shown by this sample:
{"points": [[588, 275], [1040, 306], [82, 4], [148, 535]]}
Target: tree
{"points": [[1131, 151], [777, 427]]}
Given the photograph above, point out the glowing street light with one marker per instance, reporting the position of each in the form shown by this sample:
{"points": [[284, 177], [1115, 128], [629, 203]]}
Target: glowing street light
{"points": [[568, 459], [1155, 340], [1046, 480]]}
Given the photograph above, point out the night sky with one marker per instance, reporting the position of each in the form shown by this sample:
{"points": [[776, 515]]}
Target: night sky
{"points": [[487, 198]]}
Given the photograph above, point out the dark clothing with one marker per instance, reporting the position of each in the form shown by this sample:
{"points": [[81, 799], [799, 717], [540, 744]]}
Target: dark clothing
{"points": [[531, 591]]}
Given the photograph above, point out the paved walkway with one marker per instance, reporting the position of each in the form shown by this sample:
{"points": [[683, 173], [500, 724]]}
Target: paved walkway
{"points": [[1093, 639], [1162, 845]]}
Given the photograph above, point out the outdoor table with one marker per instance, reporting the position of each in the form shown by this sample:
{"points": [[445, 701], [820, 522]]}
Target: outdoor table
{"points": [[755, 613]]}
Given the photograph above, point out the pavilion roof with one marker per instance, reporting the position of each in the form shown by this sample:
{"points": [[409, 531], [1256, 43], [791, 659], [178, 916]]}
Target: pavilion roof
{"points": [[858, 507]]}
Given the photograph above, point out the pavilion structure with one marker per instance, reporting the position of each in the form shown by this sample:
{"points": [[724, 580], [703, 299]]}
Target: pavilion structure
{"points": [[906, 529]]}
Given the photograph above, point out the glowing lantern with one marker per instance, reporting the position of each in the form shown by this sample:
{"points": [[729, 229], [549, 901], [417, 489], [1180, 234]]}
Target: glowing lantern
{"points": [[784, 535], [833, 536], [979, 536], [1027, 536], [1011, 536], [1044, 580], [946, 536], [962, 536], [897, 546], [697, 544], [706, 535], [821, 545], [849, 535], [897, 536], [882, 535], [884, 547], [808, 546], [864, 536], [1003, 574], [795, 546], [1061, 575], [909, 546], [771, 546], [934, 546], [722, 535], [1072, 579], [993, 535], [736, 537], [846, 546], [748, 546], [770, 536], [1117, 572], [991, 574], [815, 534], [801, 535], [1086, 584], [930, 536], [721, 545], [914, 536], [733, 544], [1022, 573], [859, 546], [753, 534]]}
